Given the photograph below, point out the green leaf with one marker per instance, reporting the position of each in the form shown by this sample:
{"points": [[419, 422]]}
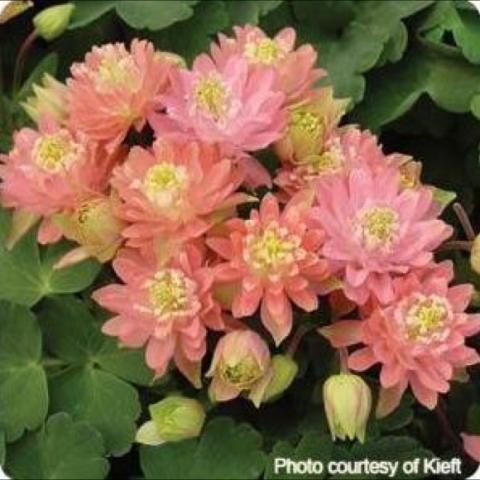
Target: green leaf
{"points": [[103, 400], [88, 388], [249, 11], [347, 56], [2, 449], [49, 64], [23, 385], [73, 334], [313, 446], [154, 15], [326, 15], [473, 419], [87, 11], [25, 277], [424, 70], [193, 36], [224, 451], [401, 417], [62, 449]]}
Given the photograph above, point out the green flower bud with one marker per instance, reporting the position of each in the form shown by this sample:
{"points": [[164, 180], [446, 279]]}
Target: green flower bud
{"points": [[53, 21], [348, 401], [174, 418], [284, 371]]}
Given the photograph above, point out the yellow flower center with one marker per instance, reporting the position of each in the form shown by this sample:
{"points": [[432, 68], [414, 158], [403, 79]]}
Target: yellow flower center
{"points": [[378, 226], [164, 184], [168, 292], [211, 96], [241, 374], [425, 320], [265, 51], [272, 250], [114, 72], [307, 122], [326, 163], [54, 153]]}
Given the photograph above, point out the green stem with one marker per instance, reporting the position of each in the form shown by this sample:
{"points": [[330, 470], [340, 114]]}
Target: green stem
{"points": [[22, 55], [464, 221], [49, 362]]}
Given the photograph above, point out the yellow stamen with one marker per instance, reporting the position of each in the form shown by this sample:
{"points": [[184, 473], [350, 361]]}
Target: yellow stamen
{"points": [[211, 96], [378, 226], [241, 374], [168, 292], [265, 51], [54, 153], [306, 121], [425, 320], [165, 183], [114, 72]]}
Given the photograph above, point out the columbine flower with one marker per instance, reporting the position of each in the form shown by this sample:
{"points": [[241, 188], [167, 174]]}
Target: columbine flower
{"points": [[295, 68], [228, 105], [93, 225], [49, 171], [176, 191], [173, 419], [274, 257], [115, 89], [348, 401], [48, 99], [419, 339], [241, 362], [166, 307], [471, 444], [376, 230]]}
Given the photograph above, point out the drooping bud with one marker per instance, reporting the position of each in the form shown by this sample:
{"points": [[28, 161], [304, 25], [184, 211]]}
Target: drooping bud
{"points": [[309, 125], [475, 255], [284, 371], [48, 99], [53, 21], [94, 226], [173, 419], [348, 401], [241, 362]]}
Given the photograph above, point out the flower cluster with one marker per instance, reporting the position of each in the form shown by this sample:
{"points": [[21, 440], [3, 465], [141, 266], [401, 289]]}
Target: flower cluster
{"points": [[151, 165]]}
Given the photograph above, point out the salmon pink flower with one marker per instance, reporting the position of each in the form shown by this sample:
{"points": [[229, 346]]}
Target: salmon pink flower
{"points": [[375, 230], [176, 191], [165, 306], [295, 67], [227, 104], [471, 444], [274, 258], [419, 338], [115, 89], [241, 362], [49, 171]]}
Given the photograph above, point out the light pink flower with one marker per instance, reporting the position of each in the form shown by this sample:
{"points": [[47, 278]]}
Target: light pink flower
{"points": [[340, 151], [471, 444], [376, 230], [229, 104], [115, 89], [176, 191], [241, 362], [295, 67], [166, 307], [49, 171], [274, 259], [419, 339]]}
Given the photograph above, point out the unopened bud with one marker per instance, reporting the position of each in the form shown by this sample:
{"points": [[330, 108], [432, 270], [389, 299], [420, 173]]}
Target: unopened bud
{"points": [[53, 21], [284, 371], [348, 401], [475, 255], [173, 419]]}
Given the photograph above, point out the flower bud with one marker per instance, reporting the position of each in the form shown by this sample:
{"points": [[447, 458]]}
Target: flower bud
{"points": [[348, 401], [284, 371], [173, 419], [241, 362], [94, 226], [309, 126], [14, 8], [48, 99], [53, 21], [475, 255]]}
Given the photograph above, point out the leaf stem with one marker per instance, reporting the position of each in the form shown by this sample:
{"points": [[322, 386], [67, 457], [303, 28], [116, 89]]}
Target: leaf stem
{"points": [[464, 221], [465, 245], [296, 339], [22, 55]]}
